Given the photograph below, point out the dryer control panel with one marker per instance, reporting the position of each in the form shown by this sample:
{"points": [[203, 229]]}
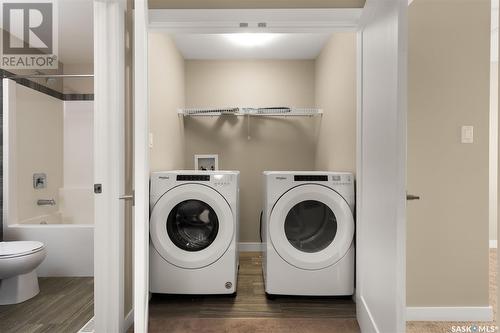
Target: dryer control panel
{"points": [[342, 179]]}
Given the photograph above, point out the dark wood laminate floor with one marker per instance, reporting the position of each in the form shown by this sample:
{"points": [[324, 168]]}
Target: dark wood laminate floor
{"points": [[251, 301], [63, 305]]}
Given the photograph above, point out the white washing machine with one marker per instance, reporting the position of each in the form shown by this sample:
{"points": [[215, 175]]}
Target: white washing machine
{"points": [[308, 233], [194, 232]]}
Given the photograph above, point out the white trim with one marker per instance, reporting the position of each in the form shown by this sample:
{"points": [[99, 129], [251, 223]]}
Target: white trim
{"points": [[493, 243], [250, 247], [211, 21], [402, 141], [141, 167], [109, 86], [365, 318], [472, 313], [129, 320], [127, 323], [88, 327], [9, 154]]}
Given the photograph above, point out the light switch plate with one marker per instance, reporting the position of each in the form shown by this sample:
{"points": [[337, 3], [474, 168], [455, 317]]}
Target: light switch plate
{"points": [[467, 134], [150, 140]]}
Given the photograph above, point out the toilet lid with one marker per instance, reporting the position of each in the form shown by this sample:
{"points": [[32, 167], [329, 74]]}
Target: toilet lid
{"points": [[18, 248]]}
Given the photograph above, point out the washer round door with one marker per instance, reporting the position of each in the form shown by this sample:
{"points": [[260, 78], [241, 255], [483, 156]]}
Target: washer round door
{"points": [[311, 227], [191, 226]]}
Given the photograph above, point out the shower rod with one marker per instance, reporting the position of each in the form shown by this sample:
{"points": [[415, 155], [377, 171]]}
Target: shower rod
{"points": [[47, 76]]}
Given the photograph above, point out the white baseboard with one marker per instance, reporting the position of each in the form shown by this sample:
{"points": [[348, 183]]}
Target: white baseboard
{"points": [[493, 243], [127, 323], [88, 327], [479, 313], [129, 320], [250, 247]]}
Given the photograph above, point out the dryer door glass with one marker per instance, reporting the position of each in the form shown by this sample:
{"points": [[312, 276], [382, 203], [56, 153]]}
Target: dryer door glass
{"points": [[310, 226], [192, 225]]}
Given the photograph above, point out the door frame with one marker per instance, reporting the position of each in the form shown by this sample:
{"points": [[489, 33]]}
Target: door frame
{"points": [[109, 113], [289, 21], [141, 167]]}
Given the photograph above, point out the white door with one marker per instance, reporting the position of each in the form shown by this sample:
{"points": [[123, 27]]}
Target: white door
{"points": [[381, 197], [109, 165]]}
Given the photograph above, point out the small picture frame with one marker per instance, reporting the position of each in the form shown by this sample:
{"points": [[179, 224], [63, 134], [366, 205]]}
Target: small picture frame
{"points": [[206, 162]]}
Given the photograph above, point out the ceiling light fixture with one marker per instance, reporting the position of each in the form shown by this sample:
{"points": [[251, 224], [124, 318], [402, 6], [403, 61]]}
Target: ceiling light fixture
{"points": [[251, 39]]}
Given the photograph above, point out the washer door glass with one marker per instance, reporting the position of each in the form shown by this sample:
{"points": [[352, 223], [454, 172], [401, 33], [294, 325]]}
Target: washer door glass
{"points": [[310, 226], [192, 225]]}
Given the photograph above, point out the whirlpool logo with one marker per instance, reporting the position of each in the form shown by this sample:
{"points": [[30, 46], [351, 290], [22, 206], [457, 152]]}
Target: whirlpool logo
{"points": [[474, 329], [29, 38]]}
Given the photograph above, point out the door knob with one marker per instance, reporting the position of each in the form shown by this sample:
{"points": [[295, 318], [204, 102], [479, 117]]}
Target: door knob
{"points": [[128, 197], [412, 197]]}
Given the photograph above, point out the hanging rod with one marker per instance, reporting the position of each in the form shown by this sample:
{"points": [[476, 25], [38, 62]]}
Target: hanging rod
{"points": [[42, 76]]}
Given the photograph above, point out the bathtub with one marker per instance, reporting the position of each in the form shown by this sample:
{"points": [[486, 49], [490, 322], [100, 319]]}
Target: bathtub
{"points": [[70, 247]]}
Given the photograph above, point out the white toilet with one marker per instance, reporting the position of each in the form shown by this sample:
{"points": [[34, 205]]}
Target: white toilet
{"points": [[18, 263]]}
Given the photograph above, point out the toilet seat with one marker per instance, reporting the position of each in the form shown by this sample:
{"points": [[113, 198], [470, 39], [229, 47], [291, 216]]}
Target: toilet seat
{"points": [[19, 248]]}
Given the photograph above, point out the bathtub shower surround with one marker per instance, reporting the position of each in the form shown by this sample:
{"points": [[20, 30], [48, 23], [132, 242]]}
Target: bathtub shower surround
{"points": [[78, 160], [70, 250], [46, 134]]}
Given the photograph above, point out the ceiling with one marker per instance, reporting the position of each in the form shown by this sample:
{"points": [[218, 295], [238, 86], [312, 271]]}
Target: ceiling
{"points": [[76, 39], [220, 46], [76, 42]]}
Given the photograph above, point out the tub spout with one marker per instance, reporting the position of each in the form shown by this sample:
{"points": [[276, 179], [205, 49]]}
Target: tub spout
{"points": [[46, 202]]}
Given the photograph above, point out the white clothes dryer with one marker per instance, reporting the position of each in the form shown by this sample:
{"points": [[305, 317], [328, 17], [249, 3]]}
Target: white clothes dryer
{"points": [[308, 233]]}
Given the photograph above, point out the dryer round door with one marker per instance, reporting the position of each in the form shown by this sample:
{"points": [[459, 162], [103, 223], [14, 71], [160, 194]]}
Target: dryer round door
{"points": [[311, 227], [191, 226]]}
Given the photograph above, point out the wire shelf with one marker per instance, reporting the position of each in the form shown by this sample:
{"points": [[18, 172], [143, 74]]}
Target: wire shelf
{"points": [[239, 111]]}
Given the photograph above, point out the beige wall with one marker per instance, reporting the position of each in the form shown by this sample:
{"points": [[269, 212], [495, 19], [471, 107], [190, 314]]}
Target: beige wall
{"points": [[195, 4], [336, 95], [447, 246], [166, 77], [274, 144], [39, 135]]}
